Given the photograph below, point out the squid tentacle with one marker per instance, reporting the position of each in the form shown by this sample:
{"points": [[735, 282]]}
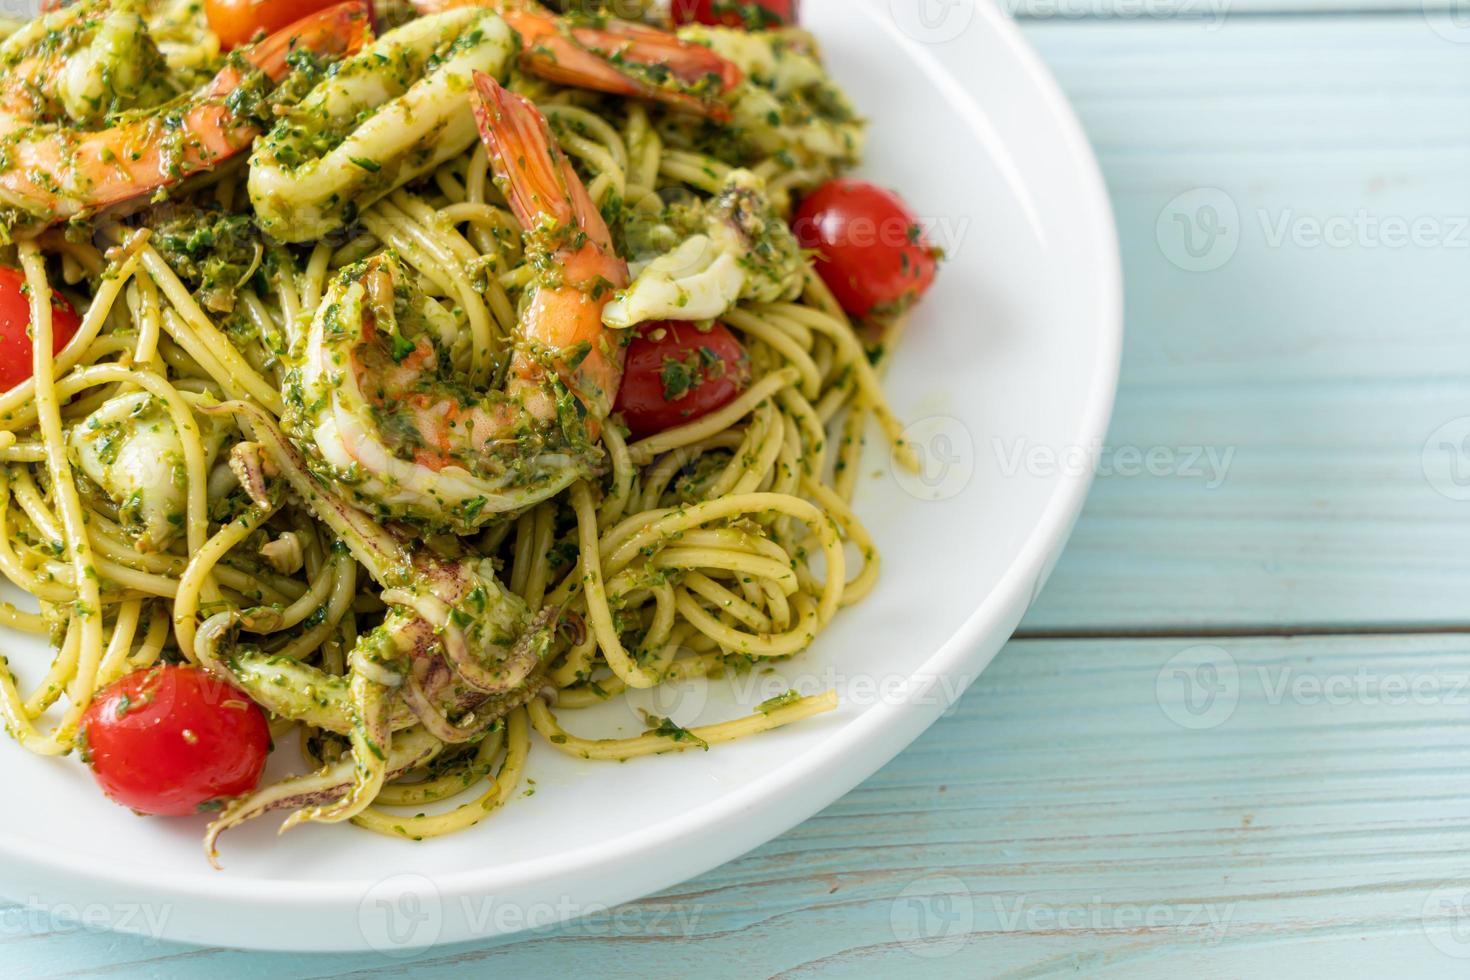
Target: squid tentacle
{"points": [[372, 741], [455, 643], [413, 750]]}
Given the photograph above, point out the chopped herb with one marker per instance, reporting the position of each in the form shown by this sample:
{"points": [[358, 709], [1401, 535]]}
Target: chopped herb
{"points": [[678, 379], [402, 347], [778, 702], [668, 728]]}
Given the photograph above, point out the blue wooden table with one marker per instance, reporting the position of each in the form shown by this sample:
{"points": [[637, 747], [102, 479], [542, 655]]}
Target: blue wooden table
{"points": [[1233, 735]]}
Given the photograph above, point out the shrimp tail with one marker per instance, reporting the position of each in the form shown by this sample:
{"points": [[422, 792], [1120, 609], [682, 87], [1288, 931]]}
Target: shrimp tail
{"points": [[660, 66], [639, 44], [337, 30], [584, 57], [532, 171], [562, 221]]}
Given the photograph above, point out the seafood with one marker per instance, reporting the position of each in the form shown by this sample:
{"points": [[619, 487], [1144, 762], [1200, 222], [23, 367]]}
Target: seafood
{"points": [[321, 417], [119, 67], [787, 107], [415, 749], [606, 54], [396, 110], [54, 166], [131, 451], [392, 112], [568, 239], [456, 650], [383, 403], [621, 58], [742, 251]]}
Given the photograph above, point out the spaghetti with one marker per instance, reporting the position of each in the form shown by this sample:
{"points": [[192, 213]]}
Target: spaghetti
{"points": [[723, 542]]}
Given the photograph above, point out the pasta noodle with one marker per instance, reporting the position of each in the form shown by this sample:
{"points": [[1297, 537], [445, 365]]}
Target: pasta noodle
{"points": [[724, 542]]}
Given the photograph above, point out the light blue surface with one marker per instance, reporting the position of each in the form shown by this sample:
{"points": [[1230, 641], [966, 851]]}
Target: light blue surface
{"points": [[1232, 806]]}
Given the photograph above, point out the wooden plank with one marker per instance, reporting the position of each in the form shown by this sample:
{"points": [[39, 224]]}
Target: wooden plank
{"points": [[1312, 349], [1215, 14], [1072, 812]]}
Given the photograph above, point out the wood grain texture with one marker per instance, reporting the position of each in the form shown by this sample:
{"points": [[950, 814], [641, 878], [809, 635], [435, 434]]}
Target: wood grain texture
{"points": [[1214, 13], [1088, 807], [1071, 813], [1318, 354]]}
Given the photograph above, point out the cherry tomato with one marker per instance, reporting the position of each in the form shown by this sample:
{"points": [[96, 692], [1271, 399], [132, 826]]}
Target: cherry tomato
{"points": [[751, 14], [171, 741], [677, 373], [15, 322], [237, 21], [871, 251]]}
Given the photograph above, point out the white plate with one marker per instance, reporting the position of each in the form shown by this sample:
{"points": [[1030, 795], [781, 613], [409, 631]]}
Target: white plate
{"points": [[1009, 370]]}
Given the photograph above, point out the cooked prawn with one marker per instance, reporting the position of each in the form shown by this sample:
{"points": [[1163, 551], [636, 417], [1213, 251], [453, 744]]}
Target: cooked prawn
{"points": [[456, 650], [397, 110], [383, 398], [52, 172], [617, 56], [81, 65], [566, 234]]}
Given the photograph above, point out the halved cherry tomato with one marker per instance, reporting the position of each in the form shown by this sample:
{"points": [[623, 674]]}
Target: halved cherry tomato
{"points": [[15, 324], [677, 373], [870, 249], [237, 21], [171, 741], [751, 14]]}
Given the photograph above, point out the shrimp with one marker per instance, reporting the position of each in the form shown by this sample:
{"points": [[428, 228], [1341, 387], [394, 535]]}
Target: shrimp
{"points": [[51, 171], [618, 57], [82, 64], [383, 376], [383, 401], [567, 234], [396, 111]]}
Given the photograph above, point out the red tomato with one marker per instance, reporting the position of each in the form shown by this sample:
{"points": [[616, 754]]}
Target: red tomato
{"points": [[752, 14], [237, 21], [870, 249], [15, 322], [677, 373], [171, 741]]}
